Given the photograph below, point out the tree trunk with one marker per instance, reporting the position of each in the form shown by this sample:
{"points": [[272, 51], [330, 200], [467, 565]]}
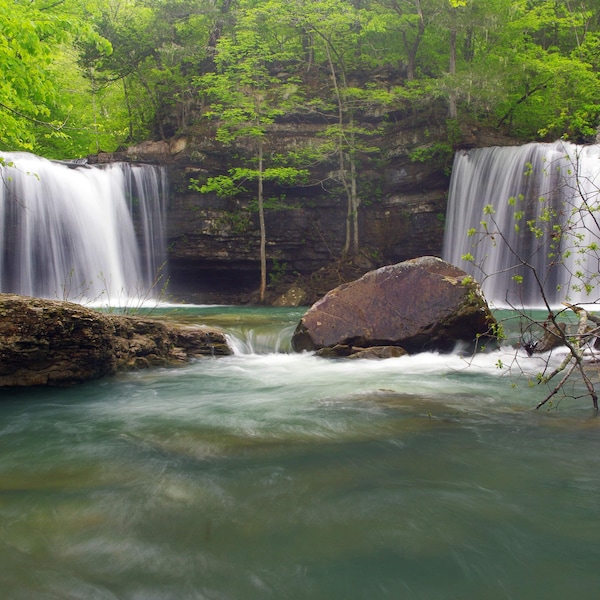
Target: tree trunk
{"points": [[129, 109], [411, 49], [208, 64], [308, 49], [341, 157], [354, 199], [94, 108], [155, 105], [261, 221], [452, 110]]}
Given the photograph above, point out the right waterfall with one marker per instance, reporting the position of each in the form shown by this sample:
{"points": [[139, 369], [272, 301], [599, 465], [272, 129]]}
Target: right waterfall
{"points": [[524, 222]]}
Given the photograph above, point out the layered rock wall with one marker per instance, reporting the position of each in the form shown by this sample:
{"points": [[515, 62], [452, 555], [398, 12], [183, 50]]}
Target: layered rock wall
{"points": [[213, 243]]}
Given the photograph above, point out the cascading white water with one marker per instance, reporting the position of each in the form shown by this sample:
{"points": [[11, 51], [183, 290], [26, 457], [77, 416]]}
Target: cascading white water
{"points": [[538, 180], [87, 234]]}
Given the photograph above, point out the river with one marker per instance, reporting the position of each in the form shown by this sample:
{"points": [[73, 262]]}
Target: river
{"points": [[273, 475]]}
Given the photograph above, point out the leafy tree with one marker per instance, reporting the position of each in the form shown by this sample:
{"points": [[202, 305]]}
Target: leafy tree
{"points": [[531, 73], [453, 20], [335, 30], [245, 101], [159, 47], [408, 20], [34, 36], [136, 35]]}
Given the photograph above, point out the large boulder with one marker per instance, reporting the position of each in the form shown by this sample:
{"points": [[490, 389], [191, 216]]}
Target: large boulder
{"points": [[54, 343], [420, 304]]}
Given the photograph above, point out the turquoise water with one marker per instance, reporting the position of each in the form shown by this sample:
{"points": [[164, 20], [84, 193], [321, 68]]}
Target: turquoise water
{"points": [[268, 475]]}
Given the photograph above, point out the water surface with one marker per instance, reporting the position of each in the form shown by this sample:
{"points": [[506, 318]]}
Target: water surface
{"points": [[275, 475]]}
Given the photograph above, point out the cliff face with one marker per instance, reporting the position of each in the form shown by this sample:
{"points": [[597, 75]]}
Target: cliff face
{"points": [[213, 243]]}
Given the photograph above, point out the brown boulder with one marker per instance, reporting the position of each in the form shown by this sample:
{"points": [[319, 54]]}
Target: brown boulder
{"points": [[294, 296], [420, 304], [54, 343]]}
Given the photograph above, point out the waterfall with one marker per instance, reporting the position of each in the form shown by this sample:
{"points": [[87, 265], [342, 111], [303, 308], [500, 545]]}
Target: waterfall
{"points": [[553, 186], [83, 233]]}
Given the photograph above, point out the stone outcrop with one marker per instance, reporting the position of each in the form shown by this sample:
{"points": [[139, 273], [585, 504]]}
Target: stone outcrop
{"points": [[214, 242], [54, 343], [417, 305], [373, 352]]}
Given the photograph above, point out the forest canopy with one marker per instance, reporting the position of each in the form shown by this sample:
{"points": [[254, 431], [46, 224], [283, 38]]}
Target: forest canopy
{"points": [[83, 76]]}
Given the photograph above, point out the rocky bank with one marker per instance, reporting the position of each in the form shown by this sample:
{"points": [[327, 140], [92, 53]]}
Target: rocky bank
{"points": [[55, 343]]}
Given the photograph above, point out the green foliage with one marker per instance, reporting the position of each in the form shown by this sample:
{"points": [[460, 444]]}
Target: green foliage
{"points": [[438, 153], [78, 76], [498, 331], [238, 222], [227, 186], [222, 185], [552, 89], [35, 112], [278, 271]]}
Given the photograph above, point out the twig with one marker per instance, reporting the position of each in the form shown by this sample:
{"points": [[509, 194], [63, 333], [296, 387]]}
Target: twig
{"points": [[575, 355], [561, 383]]}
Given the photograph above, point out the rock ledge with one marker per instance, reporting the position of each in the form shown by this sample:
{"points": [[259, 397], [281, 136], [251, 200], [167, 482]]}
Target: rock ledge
{"points": [[54, 343]]}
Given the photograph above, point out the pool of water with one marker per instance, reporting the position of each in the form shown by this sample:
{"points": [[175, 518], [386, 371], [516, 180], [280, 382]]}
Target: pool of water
{"points": [[273, 475]]}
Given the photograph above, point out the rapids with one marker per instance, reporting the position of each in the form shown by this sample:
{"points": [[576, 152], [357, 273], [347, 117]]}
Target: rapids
{"points": [[276, 475]]}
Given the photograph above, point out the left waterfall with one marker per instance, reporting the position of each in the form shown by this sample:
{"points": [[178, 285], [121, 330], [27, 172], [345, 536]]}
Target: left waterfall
{"points": [[82, 233]]}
